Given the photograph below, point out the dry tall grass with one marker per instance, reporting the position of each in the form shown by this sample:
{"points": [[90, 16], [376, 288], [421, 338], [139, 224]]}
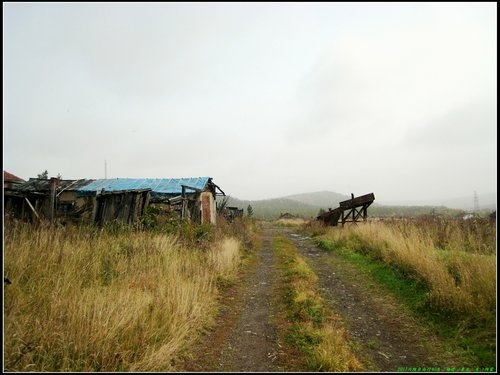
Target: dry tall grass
{"points": [[291, 222], [455, 260], [223, 258], [86, 300]]}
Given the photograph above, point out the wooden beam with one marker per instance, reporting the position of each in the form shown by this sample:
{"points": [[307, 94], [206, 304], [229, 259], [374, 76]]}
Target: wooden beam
{"points": [[358, 201], [33, 209]]}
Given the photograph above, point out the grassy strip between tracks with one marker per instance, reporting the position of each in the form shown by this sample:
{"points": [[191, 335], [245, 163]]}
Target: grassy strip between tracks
{"points": [[310, 326]]}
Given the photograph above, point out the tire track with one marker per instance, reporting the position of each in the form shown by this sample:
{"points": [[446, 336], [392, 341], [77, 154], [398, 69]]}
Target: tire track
{"points": [[385, 333], [252, 345], [243, 339]]}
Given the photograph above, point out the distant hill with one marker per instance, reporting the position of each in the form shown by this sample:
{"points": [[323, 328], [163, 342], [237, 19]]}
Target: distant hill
{"points": [[308, 205], [269, 209], [486, 201], [324, 199]]}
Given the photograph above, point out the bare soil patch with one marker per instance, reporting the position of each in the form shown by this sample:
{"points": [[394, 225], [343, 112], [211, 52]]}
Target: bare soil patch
{"points": [[244, 338]]}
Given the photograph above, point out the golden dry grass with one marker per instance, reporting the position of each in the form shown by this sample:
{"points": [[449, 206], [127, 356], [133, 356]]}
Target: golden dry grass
{"points": [[86, 300], [291, 222], [456, 262]]}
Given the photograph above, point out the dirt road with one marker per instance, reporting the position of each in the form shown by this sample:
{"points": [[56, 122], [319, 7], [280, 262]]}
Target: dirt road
{"points": [[244, 338], [387, 337]]}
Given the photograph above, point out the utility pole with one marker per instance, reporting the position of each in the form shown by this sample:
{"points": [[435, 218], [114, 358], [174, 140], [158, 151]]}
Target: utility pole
{"points": [[476, 202], [105, 169]]}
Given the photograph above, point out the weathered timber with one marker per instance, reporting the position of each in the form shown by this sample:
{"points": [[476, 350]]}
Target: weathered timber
{"points": [[110, 199], [350, 210], [330, 217], [358, 201], [33, 209]]}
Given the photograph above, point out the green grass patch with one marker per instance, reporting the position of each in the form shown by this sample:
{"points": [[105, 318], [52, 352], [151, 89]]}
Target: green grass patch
{"points": [[411, 291], [303, 338]]}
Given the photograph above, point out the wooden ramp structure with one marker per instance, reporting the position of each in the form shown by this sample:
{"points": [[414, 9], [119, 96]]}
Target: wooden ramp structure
{"points": [[349, 211]]}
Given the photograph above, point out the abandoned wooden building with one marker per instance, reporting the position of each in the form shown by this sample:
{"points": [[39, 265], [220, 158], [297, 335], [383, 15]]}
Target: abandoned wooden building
{"points": [[12, 201], [125, 205], [231, 213], [38, 199], [191, 199], [103, 200], [10, 181], [287, 215]]}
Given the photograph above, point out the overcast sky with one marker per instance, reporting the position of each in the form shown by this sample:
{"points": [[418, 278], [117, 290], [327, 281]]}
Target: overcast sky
{"points": [[398, 99]]}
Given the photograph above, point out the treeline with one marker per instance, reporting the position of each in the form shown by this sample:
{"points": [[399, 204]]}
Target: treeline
{"points": [[271, 209], [413, 211]]}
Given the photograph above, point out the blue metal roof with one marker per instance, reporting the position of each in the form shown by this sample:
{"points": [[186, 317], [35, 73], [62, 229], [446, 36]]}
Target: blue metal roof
{"points": [[157, 185]]}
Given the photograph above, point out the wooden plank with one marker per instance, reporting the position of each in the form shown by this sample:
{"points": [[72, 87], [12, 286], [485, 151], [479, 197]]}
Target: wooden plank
{"points": [[33, 209], [358, 201]]}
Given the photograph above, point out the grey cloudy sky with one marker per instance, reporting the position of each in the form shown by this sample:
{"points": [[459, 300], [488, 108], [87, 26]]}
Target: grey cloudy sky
{"points": [[269, 99]]}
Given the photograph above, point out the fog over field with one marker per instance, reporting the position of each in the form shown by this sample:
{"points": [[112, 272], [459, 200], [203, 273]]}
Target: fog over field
{"points": [[269, 99]]}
